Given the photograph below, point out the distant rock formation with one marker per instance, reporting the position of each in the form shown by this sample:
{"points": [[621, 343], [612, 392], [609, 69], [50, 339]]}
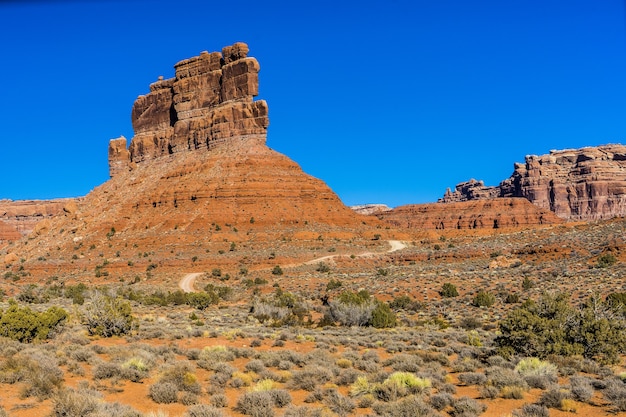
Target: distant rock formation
{"points": [[209, 102], [499, 213], [575, 184], [18, 218], [369, 209]]}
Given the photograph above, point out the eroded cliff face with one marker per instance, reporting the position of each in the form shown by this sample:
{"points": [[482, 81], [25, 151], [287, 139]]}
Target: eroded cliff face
{"points": [[19, 218], [575, 184], [498, 213], [208, 103]]}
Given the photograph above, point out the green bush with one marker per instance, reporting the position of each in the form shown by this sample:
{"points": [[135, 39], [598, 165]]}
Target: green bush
{"points": [[24, 325], [551, 326], [606, 260], [383, 317], [277, 270], [483, 299], [202, 300], [448, 290], [107, 316], [333, 284]]}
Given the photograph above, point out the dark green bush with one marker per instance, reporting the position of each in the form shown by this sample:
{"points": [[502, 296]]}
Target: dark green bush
{"points": [[202, 300], [483, 299], [448, 290], [333, 284], [606, 260], [383, 317], [25, 325], [551, 326]]}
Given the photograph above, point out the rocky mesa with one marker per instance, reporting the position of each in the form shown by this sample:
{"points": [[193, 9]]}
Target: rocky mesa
{"points": [[575, 184]]}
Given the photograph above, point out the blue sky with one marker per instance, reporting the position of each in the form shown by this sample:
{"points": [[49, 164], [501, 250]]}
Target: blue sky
{"points": [[386, 101]]}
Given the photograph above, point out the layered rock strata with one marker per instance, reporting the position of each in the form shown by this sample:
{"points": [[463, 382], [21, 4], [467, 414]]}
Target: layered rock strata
{"points": [[208, 103], [18, 218], [500, 213], [575, 184]]}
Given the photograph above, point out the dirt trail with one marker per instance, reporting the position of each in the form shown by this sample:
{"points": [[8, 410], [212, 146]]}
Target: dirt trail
{"points": [[187, 282]]}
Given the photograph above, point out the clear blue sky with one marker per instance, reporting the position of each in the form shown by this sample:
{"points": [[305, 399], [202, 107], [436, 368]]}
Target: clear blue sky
{"points": [[386, 101]]}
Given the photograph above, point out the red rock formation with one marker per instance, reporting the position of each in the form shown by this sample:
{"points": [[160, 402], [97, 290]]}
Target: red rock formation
{"points": [[208, 103], [197, 177], [579, 184], [499, 213], [18, 218]]}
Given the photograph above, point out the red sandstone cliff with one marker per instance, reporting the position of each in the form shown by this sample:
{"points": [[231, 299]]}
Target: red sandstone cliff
{"points": [[501, 213], [577, 184]]}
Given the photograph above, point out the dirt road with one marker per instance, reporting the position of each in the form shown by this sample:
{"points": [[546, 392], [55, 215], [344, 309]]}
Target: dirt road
{"points": [[187, 282]]}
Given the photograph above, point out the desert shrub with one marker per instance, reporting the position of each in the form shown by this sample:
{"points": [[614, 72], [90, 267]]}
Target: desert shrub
{"points": [[532, 410], [256, 404], [581, 388], [504, 377], [202, 300], [383, 317], [410, 406], [277, 270], [554, 397], [107, 316], [441, 400], [535, 366], [472, 378], [188, 398], [219, 400], [515, 393], [105, 370], [404, 302], [333, 284], [309, 377], [470, 323], [25, 325], [203, 410], [69, 402], [448, 290], [281, 397], [41, 376], [282, 308], [512, 298], [606, 260], [181, 375], [211, 357], [163, 392], [617, 298], [360, 309], [338, 403], [76, 293], [552, 326], [489, 392], [347, 377], [302, 412], [361, 386], [401, 384], [527, 283], [483, 299], [467, 407], [615, 393]]}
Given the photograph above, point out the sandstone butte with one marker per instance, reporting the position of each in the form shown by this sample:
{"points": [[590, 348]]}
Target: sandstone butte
{"points": [[196, 180]]}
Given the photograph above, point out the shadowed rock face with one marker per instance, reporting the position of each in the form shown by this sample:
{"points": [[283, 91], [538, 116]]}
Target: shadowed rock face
{"points": [[208, 103], [576, 184]]}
